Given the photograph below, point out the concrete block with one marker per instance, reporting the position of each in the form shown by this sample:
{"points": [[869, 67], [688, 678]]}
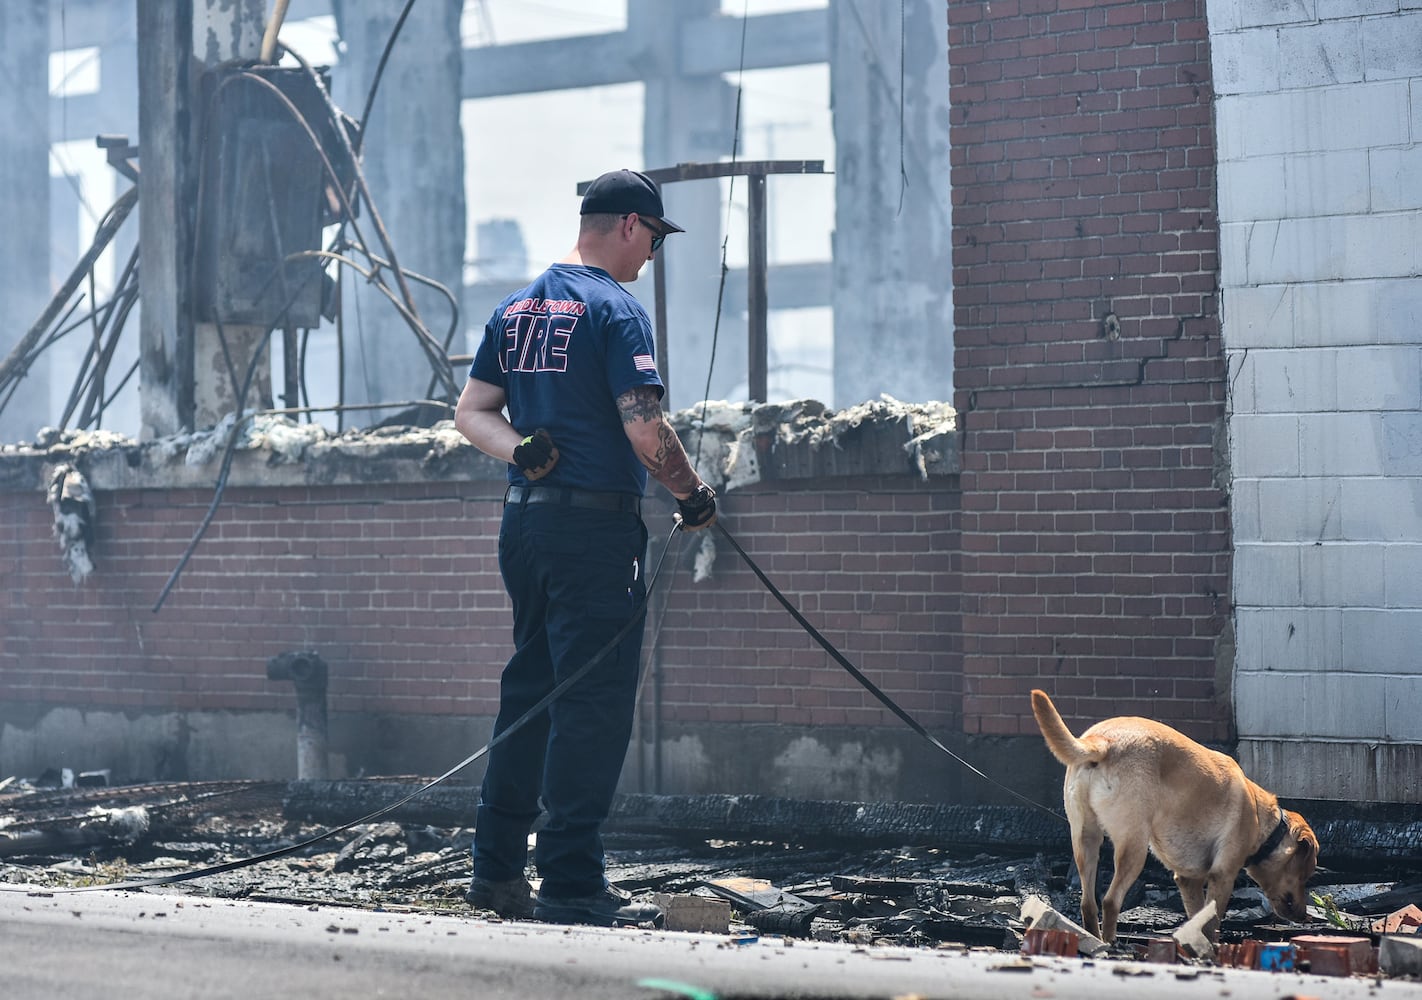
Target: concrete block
{"points": [[1321, 54], [1387, 510], [1253, 189], [1244, 510], [1289, 250], [1301, 510], [1341, 574], [1332, 248], [1038, 914], [1392, 179], [1326, 184], [1402, 575], [1296, 381], [1340, 444], [1266, 575], [1380, 378], [1270, 704], [1257, 318], [1231, 144], [1241, 366], [1264, 445], [1291, 639], [1258, 13], [1401, 696], [1342, 706], [1365, 311], [1400, 955], [686, 912], [1329, 9], [1392, 46], [1378, 640], [1402, 443], [1309, 705], [1351, 116], [1244, 62]]}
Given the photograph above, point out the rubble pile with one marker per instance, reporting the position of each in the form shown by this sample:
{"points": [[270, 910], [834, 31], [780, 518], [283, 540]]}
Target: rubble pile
{"points": [[915, 896]]}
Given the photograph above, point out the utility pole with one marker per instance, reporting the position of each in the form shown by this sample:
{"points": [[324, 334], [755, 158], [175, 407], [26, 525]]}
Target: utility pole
{"points": [[184, 383]]}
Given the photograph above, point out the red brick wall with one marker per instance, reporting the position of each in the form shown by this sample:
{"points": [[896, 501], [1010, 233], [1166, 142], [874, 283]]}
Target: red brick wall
{"points": [[1088, 550], [1095, 543], [397, 587]]}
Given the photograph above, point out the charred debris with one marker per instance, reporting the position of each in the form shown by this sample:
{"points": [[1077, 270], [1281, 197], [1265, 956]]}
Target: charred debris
{"points": [[864, 873]]}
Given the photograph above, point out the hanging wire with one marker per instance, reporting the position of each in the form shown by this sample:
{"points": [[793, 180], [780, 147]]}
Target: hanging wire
{"points": [[725, 236]]}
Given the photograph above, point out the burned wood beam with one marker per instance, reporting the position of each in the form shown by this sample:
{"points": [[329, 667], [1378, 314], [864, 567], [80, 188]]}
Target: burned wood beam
{"points": [[1346, 834], [805, 822], [98, 828], [334, 802]]}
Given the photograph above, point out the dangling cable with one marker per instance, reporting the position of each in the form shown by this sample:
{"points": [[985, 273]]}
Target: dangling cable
{"points": [[867, 684], [726, 236]]}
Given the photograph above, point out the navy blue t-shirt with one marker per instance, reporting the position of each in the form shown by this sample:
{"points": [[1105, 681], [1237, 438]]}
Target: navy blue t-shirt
{"points": [[563, 349]]}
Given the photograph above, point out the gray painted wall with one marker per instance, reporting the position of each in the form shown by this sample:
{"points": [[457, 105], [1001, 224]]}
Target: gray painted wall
{"points": [[1318, 120]]}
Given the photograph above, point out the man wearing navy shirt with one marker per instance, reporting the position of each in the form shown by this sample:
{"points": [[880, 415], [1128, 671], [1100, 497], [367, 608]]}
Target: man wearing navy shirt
{"points": [[571, 358]]}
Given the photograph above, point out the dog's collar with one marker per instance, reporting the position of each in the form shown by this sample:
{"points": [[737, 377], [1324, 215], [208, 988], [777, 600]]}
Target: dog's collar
{"points": [[1270, 844]]}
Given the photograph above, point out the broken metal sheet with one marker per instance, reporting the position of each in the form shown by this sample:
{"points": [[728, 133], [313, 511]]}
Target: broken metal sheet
{"points": [[756, 894]]}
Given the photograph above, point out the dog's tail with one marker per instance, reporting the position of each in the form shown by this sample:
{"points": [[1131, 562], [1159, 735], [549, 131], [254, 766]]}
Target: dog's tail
{"points": [[1064, 746]]}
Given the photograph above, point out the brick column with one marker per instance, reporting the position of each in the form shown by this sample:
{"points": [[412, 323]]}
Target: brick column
{"points": [[1089, 372]]}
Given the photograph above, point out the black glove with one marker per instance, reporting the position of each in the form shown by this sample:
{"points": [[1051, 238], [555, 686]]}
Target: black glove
{"points": [[536, 455], [698, 510]]}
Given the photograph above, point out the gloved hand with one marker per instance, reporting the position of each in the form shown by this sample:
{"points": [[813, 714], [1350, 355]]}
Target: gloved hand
{"points": [[536, 455], [698, 510]]}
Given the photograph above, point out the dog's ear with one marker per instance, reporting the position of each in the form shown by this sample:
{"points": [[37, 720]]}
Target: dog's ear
{"points": [[1305, 855]]}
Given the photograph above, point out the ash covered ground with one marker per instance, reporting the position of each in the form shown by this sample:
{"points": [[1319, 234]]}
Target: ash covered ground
{"points": [[914, 895]]}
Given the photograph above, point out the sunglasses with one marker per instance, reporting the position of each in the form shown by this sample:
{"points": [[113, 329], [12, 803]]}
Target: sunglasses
{"points": [[658, 237]]}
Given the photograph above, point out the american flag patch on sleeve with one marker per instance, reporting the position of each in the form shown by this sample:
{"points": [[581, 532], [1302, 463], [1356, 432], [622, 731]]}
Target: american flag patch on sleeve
{"points": [[644, 362]]}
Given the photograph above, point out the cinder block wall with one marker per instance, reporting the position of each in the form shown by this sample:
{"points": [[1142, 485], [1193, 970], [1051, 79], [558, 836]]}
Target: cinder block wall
{"points": [[1320, 138], [1090, 380]]}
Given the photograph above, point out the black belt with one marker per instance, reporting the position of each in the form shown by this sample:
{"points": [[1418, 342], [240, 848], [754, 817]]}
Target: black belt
{"points": [[570, 497]]}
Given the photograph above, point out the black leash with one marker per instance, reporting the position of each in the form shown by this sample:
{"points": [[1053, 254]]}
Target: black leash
{"points": [[867, 684], [539, 706]]}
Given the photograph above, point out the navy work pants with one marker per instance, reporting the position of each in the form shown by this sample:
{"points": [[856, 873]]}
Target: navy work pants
{"points": [[574, 577]]}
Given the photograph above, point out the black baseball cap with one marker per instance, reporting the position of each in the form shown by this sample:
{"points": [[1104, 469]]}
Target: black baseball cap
{"points": [[619, 192]]}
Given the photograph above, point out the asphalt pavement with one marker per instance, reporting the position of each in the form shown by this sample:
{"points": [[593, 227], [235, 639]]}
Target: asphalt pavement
{"points": [[147, 945]]}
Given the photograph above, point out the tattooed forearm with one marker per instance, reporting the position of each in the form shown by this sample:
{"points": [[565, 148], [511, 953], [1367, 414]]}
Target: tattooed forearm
{"points": [[655, 442], [669, 465]]}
